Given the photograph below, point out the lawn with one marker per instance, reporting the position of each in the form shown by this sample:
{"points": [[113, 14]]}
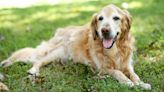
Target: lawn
{"points": [[27, 27]]}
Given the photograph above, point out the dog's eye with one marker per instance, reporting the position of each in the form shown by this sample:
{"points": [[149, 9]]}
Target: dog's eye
{"points": [[101, 18], [116, 18]]}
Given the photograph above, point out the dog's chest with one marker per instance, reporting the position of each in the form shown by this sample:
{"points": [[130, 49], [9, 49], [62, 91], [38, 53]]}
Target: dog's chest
{"points": [[110, 58]]}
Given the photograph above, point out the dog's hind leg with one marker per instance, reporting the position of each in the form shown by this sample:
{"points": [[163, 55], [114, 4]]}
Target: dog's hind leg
{"points": [[22, 55], [58, 53]]}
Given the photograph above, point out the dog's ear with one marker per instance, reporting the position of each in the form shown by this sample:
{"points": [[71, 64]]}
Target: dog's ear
{"points": [[126, 24], [94, 26]]}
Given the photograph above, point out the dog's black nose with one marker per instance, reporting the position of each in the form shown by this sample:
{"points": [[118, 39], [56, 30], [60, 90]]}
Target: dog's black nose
{"points": [[106, 33], [105, 30]]}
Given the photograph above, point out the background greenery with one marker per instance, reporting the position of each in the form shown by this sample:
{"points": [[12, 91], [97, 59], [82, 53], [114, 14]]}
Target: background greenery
{"points": [[27, 27]]}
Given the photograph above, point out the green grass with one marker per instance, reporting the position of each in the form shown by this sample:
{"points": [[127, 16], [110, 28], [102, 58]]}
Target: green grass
{"points": [[29, 26]]}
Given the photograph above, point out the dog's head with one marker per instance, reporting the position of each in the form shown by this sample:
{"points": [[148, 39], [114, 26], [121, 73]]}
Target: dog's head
{"points": [[110, 24]]}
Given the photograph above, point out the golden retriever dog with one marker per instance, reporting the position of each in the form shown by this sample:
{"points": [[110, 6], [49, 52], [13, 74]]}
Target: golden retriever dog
{"points": [[105, 44]]}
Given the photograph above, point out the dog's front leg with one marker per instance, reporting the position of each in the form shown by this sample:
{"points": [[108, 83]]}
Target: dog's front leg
{"points": [[117, 74], [136, 80]]}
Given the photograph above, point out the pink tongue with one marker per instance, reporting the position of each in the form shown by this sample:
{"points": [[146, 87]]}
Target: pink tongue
{"points": [[107, 43]]}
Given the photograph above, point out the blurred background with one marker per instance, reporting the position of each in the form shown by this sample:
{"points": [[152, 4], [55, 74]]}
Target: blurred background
{"points": [[25, 23]]}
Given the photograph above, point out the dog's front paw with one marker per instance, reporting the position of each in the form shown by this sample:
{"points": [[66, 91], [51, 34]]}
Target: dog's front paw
{"points": [[145, 86], [130, 84]]}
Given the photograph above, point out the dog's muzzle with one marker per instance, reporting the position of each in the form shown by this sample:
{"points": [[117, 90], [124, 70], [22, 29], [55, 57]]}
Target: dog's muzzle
{"points": [[108, 40]]}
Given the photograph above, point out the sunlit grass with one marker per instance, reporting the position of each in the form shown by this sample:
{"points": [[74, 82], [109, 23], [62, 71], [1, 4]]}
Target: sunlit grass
{"points": [[135, 4], [30, 3]]}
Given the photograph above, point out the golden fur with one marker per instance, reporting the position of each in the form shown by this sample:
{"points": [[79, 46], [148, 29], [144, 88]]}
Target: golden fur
{"points": [[83, 44]]}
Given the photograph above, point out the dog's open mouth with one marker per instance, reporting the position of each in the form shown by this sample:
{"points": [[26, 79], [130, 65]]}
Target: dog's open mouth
{"points": [[108, 43]]}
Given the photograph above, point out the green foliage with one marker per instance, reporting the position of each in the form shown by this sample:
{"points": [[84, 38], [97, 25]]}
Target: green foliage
{"points": [[27, 27]]}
